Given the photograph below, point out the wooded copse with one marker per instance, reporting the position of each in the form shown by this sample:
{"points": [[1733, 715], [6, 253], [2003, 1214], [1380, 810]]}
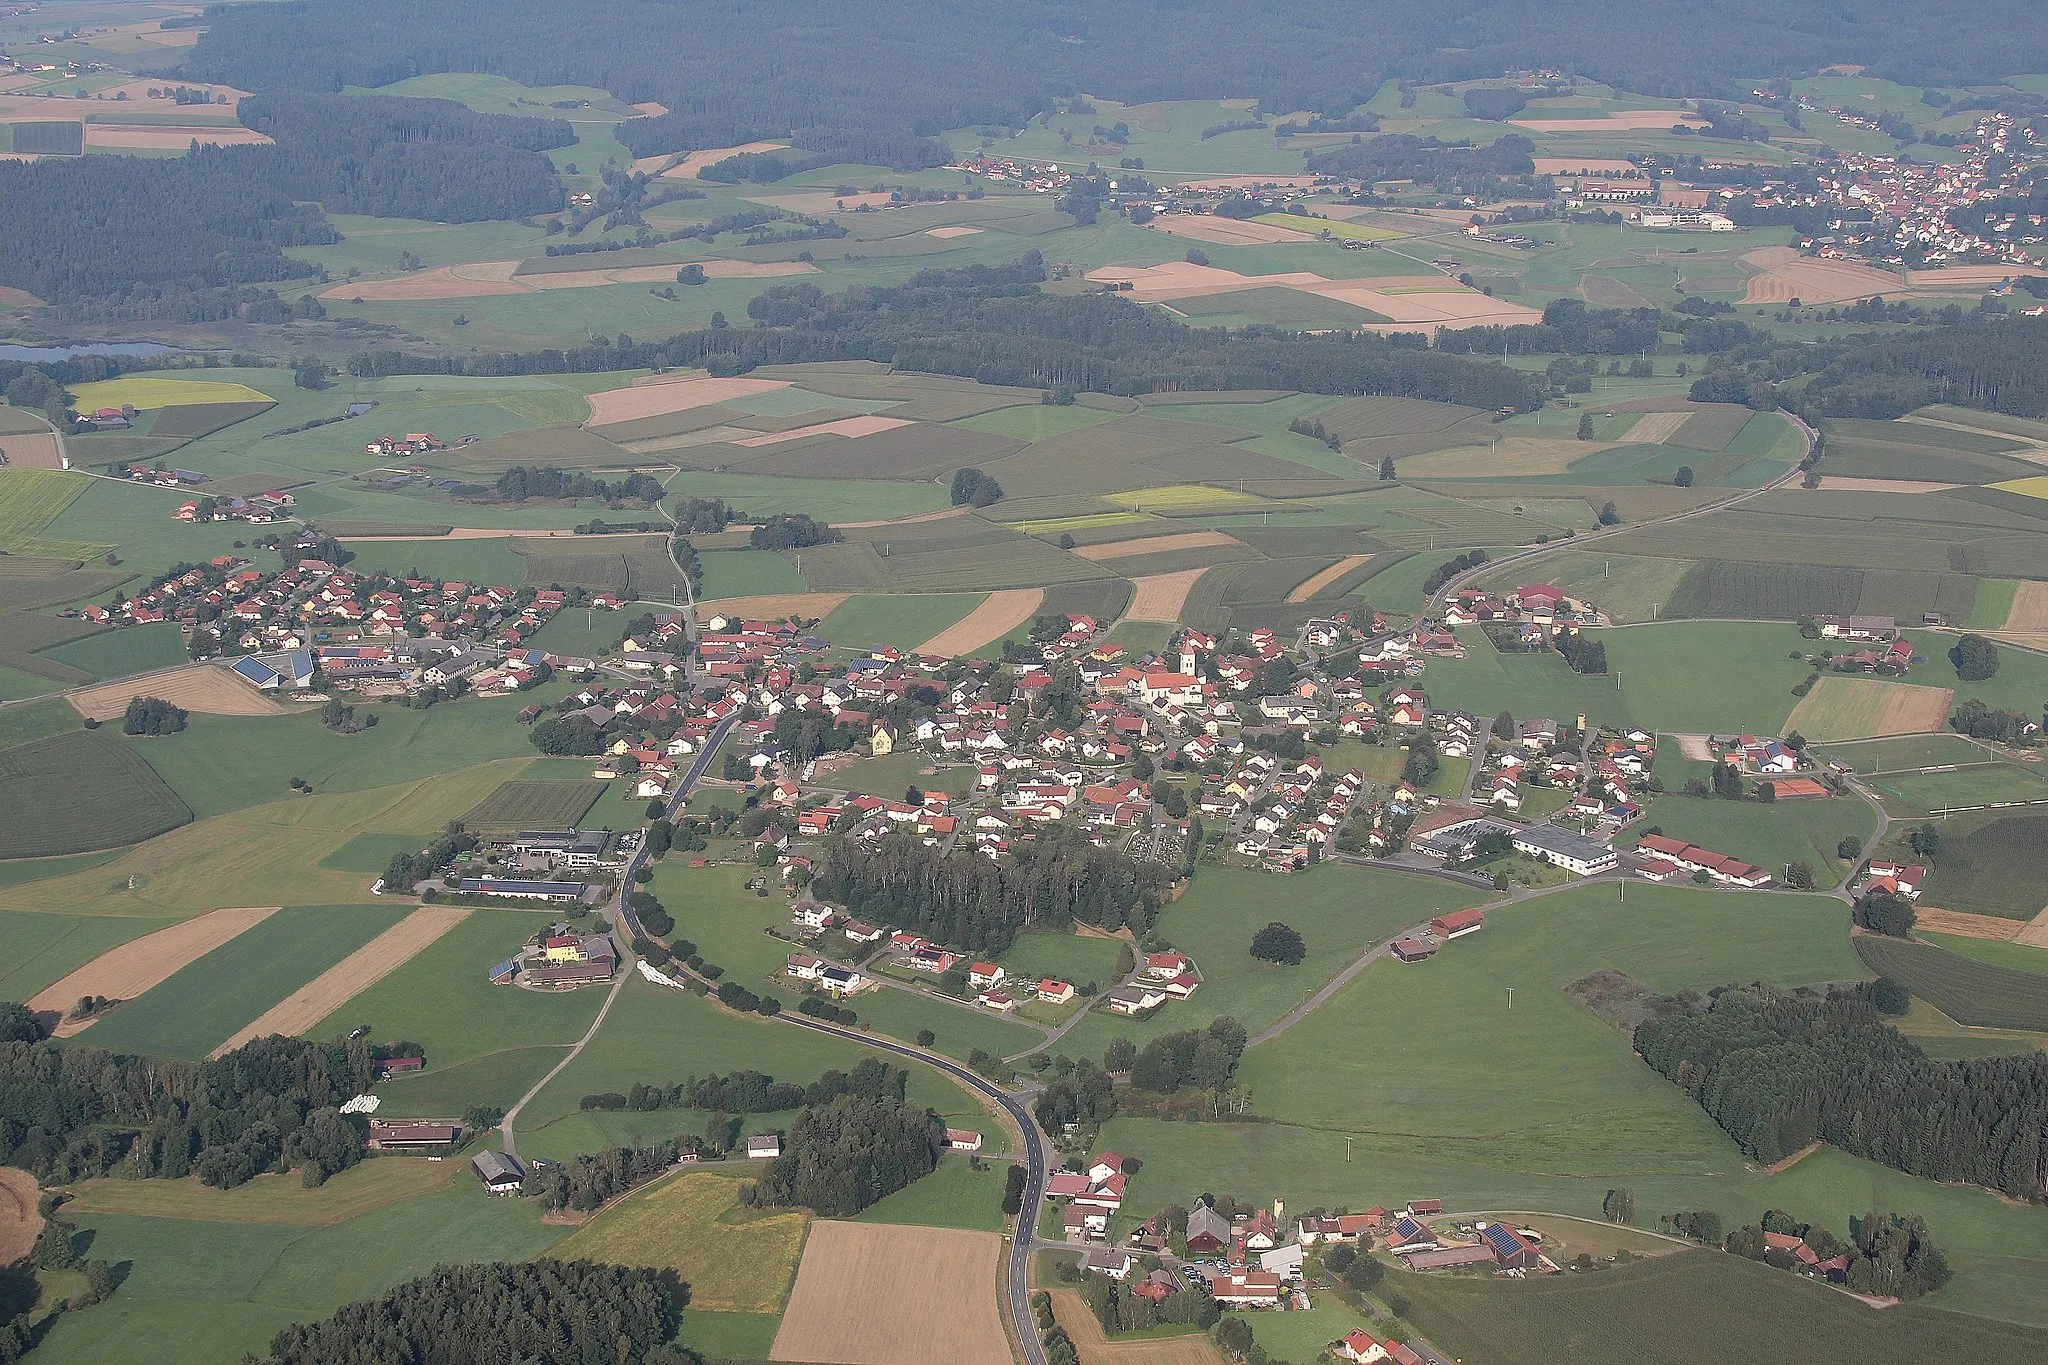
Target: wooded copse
{"points": [[1778, 1072], [72, 1113], [964, 899], [538, 1313], [853, 1152], [754, 1092]]}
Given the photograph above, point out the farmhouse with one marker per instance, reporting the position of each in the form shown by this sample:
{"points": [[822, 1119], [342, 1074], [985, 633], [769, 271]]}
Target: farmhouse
{"points": [[1134, 999], [1457, 924], [564, 960], [1247, 1289], [1208, 1230], [764, 1146], [500, 1172]]}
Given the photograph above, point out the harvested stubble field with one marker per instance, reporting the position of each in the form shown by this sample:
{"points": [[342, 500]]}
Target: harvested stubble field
{"points": [[201, 687], [998, 615], [1149, 545], [734, 1259], [557, 803], [76, 792], [1162, 596], [1314, 584], [1869, 708], [670, 393], [873, 1294], [19, 1222], [277, 1200], [351, 976], [1975, 994], [1096, 1348], [133, 968], [30, 450], [1782, 275]]}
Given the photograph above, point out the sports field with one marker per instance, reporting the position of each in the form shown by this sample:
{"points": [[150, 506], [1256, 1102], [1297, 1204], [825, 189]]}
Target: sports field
{"points": [[734, 1259]]}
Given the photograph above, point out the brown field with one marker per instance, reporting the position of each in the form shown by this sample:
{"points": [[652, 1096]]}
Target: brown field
{"points": [[1309, 587], [31, 450], [1965, 925], [696, 161], [206, 688], [1849, 483], [278, 1200], [11, 297], [998, 615], [19, 1221], [872, 1294], [1222, 231], [651, 108], [1783, 275], [1161, 596], [1962, 276], [2035, 935], [1123, 549], [1621, 120], [811, 606], [156, 138], [490, 279], [1655, 428], [125, 972], [853, 428], [671, 393], [2029, 611], [956, 230], [1868, 708], [351, 976], [1095, 1348], [1404, 300]]}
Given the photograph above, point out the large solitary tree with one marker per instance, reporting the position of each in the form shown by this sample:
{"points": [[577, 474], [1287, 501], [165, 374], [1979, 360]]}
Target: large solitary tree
{"points": [[1278, 943]]}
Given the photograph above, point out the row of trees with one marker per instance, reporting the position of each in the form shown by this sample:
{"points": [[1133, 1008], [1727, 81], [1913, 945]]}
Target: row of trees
{"points": [[754, 1092], [536, 1312], [69, 1114], [1779, 1072], [521, 482], [965, 899]]}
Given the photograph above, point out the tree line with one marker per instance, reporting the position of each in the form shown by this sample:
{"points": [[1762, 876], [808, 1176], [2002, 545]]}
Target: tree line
{"points": [[1779, 1072], [964, 899], [754, 1092], [536, 1312], [846, 83], [521, 482], [72, 1113]]}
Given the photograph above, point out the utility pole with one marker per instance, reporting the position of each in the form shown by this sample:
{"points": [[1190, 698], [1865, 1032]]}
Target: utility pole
{"points": [[1511, 997]]}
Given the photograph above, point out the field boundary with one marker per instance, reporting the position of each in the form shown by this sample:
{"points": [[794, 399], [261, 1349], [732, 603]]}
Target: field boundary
{"points": [[1000, 613], [137, 966], [351, 976]]}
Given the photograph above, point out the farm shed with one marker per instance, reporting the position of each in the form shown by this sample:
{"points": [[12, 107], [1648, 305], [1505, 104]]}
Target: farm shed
{"points": [[500, 1172], [413, 1135]]}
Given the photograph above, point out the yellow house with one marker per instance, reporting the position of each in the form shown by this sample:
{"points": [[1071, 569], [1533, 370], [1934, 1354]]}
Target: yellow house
{"points": [[882, 742]]}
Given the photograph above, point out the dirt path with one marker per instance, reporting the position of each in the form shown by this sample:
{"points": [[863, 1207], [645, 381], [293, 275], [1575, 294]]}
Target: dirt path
{"points": [[1311, 586], [1161, 596], [126, 972], [998, 615], [351, 976], [205, 688]]}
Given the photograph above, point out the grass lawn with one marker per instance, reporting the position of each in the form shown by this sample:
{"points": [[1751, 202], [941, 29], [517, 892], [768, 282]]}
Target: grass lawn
{"points": [[2022, 957], [871, 619], [747, 573], [31, 721], [19, 871], [663, 1036], [201, 1004], [489, 562], [443, 1000], [1928, 793], [1064, 957], [826, 499], [1989, 863], [584, 633], [1036, 421], [1903, 751], [117, 653], [1338, 911], [958, 1031], [219, 764], [950, 1197], [729, 1336], [200, 1292], [39, 950], [1769, 834], [1302, 1336], [895, 774], [733, 1258], [369, 1184], [1697, 1307]]}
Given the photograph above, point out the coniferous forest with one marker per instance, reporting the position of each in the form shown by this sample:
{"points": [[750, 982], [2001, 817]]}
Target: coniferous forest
{"points": [[1779, 1072], [851, 1153], [964, 899]]}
